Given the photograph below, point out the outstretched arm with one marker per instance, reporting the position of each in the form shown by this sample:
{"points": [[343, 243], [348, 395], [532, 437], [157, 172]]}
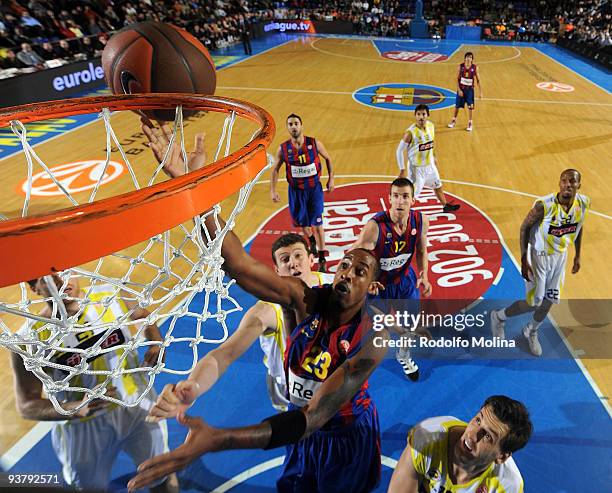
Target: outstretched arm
{"points": [[175, 399], [252, 275], [279, 430], [330, 172], [367, 237]]}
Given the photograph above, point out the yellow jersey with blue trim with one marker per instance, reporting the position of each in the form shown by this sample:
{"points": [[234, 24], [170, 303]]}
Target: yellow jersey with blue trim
{"points": [[272, 341], [421, 148], [428, 442], [558, 229], [104, 319]]}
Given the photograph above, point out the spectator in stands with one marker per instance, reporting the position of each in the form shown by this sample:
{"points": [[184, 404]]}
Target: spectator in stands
{"points": [[64, 31], [29, 57], [100, 43], [64, 50], [47, 52], [19, 36], [10, 60], [6, 40], [76, 30], [244, 29], [31, 26], [87, 48]]}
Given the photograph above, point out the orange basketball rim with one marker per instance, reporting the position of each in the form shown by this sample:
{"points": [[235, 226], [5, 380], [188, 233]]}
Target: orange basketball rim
{"points": [[36, 245]]}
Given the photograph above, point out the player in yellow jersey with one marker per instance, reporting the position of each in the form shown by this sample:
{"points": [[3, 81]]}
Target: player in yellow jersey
{"points": [[291, 257], [88, 442], [418, 141], [447, 455], [553, 224]]}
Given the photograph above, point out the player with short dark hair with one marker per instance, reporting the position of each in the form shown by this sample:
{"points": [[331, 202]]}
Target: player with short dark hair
{"points": [[301, 156], [553, 224], [447, 454], [467, 78], [291, 257], [418, 142], [333, 424], [396, 236]]}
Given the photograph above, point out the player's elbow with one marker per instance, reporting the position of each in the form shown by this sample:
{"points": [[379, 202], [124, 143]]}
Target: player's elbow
{"points": [[25, 408]]}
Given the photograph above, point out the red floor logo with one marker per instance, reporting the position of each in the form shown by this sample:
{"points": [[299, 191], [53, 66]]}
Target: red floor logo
{"points": [[74, 177], [555, 86], [464, 248], [414, 56]]}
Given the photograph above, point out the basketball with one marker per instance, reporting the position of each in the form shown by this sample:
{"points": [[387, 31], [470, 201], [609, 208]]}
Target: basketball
{"points": [[157, 57]]}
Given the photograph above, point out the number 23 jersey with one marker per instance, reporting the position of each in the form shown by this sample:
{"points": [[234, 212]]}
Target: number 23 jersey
{"points": [[314, 352]]}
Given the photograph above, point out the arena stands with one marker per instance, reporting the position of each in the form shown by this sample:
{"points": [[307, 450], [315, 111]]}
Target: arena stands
{"points": [[35, 34]]}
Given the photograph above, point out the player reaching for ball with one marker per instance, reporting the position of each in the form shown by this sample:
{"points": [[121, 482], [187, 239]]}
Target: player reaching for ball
{"points": [[333, 423]]}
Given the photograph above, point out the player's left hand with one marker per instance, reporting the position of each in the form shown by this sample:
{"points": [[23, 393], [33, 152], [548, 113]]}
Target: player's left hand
{"points": [[481, 95], [201, 439], [330, 185], [576, 266], [425, 284], [150, 357]]}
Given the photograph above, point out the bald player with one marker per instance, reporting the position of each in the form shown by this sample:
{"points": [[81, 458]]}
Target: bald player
{"points": [[553, 224]]}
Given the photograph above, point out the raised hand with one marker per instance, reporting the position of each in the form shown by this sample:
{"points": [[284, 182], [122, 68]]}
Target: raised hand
{"points": [[159, 140], [173, 400], [200, 439]]}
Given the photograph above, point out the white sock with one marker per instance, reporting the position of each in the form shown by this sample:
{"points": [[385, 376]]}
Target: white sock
{"points": [[501, 314], [533, 325]]}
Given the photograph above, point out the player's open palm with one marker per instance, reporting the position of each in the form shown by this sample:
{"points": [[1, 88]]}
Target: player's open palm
{"points": [[174, 399], [200, 440], [174, 164]]}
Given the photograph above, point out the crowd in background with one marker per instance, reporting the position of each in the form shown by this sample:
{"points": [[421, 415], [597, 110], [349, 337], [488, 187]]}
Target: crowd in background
{"points": [[39, 33], [33, 32]]}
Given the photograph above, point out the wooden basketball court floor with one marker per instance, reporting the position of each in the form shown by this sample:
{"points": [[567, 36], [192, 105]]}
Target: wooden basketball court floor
{"points": [[523, 138]]}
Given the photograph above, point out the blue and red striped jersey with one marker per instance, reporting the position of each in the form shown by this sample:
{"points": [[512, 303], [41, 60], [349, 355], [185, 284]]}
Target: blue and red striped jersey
{"points": [[466, 75], [303, 165], [394, 251], [315, 350]]}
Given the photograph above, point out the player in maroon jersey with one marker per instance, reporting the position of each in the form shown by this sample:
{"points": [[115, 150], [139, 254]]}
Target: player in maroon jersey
{"points": [[467, 77], [301, 154], [333, 425]]}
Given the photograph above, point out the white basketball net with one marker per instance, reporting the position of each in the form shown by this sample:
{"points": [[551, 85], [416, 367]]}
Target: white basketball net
{"points": [[191, 264]]}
